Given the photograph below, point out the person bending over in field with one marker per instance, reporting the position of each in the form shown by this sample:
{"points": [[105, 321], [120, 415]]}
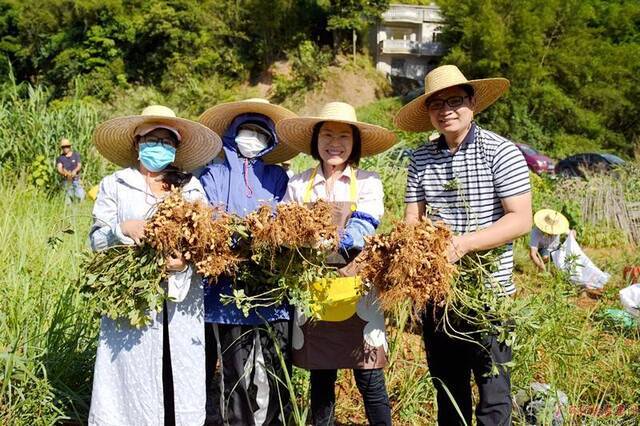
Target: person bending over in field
{"points": [[251, 388], [477, 182], [349, 334], [154, 375], [545, 235]]}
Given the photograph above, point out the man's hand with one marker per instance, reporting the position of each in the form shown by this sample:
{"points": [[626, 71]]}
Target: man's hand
{"points": [[133, 229], [457, 248]]}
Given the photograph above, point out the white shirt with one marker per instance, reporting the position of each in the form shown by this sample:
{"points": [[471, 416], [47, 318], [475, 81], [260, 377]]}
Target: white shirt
{"points": [[370, 196]]}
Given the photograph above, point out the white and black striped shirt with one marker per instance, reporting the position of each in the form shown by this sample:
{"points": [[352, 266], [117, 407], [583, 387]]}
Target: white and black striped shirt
{"points": [[465, 189]]}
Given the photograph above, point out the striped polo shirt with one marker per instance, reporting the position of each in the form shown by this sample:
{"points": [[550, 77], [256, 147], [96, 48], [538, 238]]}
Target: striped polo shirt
{"points": [[464, 189]]}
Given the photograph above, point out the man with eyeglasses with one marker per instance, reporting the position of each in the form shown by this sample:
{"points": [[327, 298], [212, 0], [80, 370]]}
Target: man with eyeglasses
{"points": [[477, 182]]}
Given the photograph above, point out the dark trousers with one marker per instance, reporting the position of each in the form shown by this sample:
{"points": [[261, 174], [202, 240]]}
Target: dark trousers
{"points": [[251, 375], [371, 386], [451, 362], [167, 374]]}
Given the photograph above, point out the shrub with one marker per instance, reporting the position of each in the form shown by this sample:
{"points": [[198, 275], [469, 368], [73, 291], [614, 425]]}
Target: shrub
{"points": [[308, 66]]}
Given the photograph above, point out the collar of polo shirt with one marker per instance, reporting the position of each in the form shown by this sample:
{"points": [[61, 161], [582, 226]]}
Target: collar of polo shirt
{"points": [[442, 142]]}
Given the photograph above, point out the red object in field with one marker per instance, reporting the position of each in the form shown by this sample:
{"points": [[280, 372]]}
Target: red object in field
{"points": [[631, 274]]}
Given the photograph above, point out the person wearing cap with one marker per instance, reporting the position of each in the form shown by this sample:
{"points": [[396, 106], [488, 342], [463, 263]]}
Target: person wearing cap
{"points": [[545, 235], [252, 388], [476, 182], [68, 166], [350, 332], [156, 374]]}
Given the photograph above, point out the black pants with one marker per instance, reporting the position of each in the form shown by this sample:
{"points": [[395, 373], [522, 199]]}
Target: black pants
{"points": [[451, 362], [251, 376], [371, 386], [167, 374]]}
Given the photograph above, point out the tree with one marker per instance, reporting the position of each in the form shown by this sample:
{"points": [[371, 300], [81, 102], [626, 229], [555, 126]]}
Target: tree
{"points": [[346, 16], [573, 64]]}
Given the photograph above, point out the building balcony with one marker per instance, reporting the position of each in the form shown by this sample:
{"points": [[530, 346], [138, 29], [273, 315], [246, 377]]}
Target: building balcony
{"points": [[409, 47], [413, 14]]}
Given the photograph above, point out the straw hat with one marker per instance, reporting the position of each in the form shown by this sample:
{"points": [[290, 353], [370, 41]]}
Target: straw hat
{"points": [[115, 138], [64, 142], [297, 132], [415, 117], [551, 222], [219, 117]]}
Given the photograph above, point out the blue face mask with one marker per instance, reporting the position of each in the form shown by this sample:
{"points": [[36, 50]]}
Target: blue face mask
{"points": [[156, 157]]}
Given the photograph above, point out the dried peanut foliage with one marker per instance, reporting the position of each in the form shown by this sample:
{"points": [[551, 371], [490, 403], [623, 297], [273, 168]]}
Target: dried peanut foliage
{"points": [[288, 246], [125, 281], [292, 225], [409, 263], [200, 233]]}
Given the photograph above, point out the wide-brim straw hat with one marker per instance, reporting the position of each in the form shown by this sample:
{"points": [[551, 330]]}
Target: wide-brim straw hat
{"points": [[64, 142], [115, 138], [219, 117], [415, 116], [297, 132], [551, 222]]}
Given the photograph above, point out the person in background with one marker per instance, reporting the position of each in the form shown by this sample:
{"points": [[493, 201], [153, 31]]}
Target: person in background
{"points": [[68, 166], [348, 334], [154, 375], [251, 389], [545, 235], [477, 182]]}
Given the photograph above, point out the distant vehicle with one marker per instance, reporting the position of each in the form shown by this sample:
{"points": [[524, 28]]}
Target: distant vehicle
{"points": [[537, 162], [574, 165]]}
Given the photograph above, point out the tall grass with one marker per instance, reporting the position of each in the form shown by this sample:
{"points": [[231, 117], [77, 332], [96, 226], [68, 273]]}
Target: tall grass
{"points": [[47, 337], [31, 124]]}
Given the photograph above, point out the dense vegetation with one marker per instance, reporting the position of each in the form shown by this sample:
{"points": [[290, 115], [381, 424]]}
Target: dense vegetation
{"points": [[574, 65], [574, 68]]}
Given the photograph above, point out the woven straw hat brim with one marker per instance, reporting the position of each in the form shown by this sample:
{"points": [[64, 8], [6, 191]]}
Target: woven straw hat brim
{"points": [[297, 133], [115, 138], [561, 227], [219, 117], [414, 116]]}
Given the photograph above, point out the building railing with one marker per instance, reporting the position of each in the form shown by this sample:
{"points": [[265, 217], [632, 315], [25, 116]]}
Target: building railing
{"points": [[412, 14], [412, 47]]}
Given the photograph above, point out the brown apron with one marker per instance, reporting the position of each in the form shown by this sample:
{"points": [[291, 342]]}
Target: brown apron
{"points": [[356, 342]]}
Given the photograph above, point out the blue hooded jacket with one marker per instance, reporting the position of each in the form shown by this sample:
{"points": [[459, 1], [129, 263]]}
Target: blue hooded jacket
{"points": [[241, 186]]}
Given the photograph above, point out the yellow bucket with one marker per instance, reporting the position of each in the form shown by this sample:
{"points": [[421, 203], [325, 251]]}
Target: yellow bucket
{"points": [[93, 192], [335, 299]]}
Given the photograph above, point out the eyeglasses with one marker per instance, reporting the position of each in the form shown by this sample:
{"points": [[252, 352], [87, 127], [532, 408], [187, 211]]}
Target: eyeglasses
{"points": [[158, 141], [438, 104]]}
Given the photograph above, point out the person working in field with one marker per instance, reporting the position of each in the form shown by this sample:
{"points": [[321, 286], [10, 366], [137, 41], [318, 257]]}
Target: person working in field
{"points": [[545, 235], [154, 375], [477, 182], [252, 387], [350, 333], [68, 166]]}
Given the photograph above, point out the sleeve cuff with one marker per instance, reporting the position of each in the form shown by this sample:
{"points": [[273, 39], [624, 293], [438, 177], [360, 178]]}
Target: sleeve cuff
{"points": [[121, 237]]}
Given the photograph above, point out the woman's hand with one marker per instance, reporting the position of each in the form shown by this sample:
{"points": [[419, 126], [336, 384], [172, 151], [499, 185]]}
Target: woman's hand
{"points": [[133, 229], [176, 263]]}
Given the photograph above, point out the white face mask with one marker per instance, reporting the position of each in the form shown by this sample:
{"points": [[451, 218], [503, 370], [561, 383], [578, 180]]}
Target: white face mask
{"points": [[251, 143]]}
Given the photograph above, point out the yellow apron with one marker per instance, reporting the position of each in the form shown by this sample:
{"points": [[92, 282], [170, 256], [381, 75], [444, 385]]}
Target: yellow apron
{"points": [[335, 299]]}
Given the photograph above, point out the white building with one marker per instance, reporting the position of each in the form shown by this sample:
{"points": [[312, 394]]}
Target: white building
{"points": [[407, 40]]}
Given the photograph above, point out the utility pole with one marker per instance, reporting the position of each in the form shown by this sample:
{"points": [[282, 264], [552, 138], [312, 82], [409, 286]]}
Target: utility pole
{"points": [[355, 38]]}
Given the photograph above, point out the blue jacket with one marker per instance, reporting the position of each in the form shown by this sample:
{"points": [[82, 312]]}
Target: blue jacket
{"points": [[241, 186]]}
